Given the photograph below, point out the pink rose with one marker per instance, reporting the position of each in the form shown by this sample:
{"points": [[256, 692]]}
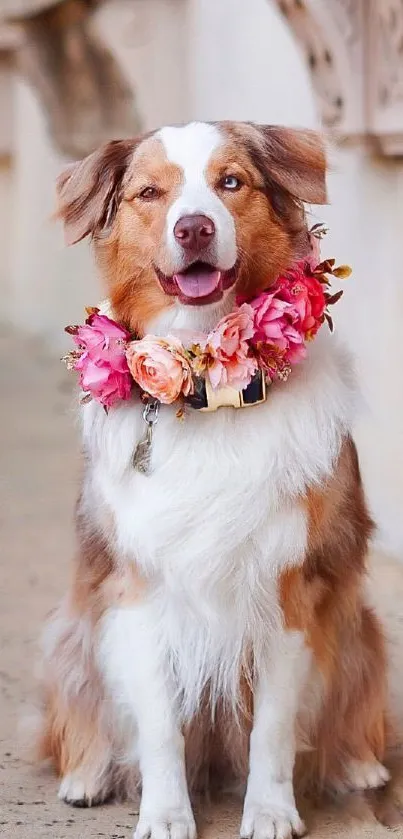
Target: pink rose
{"points": [[233, 331], [104, 372], [235, 372], [276, 326], [160, 367], [306, 299], [227, 354], [269, 319]]}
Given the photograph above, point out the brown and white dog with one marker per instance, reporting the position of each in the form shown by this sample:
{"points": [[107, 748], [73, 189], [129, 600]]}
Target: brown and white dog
{"points": [[217, 620]]}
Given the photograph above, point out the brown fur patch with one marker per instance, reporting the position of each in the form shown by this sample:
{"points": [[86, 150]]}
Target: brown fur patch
{"points": [[324, 600], [291, 168], [263, 241], [127, 258]]}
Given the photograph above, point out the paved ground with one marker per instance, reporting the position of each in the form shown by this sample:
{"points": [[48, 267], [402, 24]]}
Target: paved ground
{"points": [[38, 472]]}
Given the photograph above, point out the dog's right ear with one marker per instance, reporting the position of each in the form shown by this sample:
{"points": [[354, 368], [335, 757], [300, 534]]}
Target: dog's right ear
{"points": [[89, 191]]}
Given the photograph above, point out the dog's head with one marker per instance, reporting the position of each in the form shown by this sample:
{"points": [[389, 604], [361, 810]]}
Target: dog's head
{"points": [[185, 214]]}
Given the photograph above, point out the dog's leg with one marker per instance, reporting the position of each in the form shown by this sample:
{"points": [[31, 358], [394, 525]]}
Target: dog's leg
{"points": [[139, 681], [269, 810]]}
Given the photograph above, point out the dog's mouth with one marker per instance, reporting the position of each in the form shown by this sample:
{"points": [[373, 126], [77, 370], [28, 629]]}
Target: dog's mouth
{"points": [[199, 284]]}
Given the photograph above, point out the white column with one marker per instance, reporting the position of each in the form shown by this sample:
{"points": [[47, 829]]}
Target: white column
{"points": [[49, 284], [244, 64]]}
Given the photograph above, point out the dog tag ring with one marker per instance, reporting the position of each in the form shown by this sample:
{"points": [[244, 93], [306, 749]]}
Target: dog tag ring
{"points": [[142, 453]]}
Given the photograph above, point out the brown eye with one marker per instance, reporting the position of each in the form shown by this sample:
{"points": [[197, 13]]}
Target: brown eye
{"points": [[149, 193], [231, 182]]}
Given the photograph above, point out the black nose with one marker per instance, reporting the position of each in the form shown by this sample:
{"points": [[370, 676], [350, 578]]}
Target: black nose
{"points": [[194, 233]]}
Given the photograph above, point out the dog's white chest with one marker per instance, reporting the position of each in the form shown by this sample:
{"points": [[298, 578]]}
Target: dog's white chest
{"points": [[224, 486], [220, 516]]}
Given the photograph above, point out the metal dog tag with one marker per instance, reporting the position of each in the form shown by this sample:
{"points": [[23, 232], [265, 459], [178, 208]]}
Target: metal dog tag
{"points": [[142, 452]]}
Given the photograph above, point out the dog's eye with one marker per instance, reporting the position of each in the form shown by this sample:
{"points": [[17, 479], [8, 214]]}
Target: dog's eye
{"points": [[231, 182], [149, 193]]}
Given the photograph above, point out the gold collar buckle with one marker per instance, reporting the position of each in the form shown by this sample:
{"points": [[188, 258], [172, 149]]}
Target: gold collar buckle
{"points": [[207, 399]]}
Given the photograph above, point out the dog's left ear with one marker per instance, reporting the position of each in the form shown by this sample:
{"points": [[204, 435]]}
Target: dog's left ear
{"points": [[295, 160]]}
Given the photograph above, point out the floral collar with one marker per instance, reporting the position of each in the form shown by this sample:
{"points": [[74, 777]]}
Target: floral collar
{"points": [[253, 346]]}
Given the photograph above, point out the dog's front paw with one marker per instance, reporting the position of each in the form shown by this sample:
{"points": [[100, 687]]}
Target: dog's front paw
{"points": [[275, 816], [166, 824], [80, 790]]}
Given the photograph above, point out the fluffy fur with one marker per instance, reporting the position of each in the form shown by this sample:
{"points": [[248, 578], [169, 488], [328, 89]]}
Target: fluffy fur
{"points": [[218, 606]]}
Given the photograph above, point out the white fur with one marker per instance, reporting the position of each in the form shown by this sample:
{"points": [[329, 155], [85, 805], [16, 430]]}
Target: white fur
{"points": [[269, 808], [366, 774], [79, 787], [73, 787], [191, 147], [141, 684], [221, 514]]}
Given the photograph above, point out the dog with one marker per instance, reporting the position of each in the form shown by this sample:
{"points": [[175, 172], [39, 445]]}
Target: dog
{"points": [[217, 624]]}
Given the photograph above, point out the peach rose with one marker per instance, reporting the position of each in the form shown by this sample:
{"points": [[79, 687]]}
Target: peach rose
{"points": [[160, 367], [227, 356]]}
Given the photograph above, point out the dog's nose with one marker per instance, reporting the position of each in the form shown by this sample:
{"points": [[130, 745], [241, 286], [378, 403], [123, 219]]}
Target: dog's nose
{"points": [[194, 233]]}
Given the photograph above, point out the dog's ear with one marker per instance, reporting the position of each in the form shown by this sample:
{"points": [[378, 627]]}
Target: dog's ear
{"points": [[89, 191], [295, 160]]}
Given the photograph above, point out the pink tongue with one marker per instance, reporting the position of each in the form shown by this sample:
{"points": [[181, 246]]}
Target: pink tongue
{"points": [[198, 284]]}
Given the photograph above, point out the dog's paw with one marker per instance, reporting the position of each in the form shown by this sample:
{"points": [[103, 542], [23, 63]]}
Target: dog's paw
{"points": [[79, 791], [366, 774], [262, 822], [270, 812], [177, 824]]}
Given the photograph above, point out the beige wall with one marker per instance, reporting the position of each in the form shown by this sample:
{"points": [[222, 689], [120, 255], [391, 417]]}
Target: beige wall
{"points": [[6, 208], [243, 64], [6, 179], [150, 37]]}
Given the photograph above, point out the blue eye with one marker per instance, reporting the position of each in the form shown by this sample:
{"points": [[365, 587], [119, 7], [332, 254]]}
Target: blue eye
{"points": [[231, 182]]}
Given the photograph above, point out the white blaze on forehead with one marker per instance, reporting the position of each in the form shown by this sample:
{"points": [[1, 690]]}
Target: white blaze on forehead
{"points": [[191, 147]]}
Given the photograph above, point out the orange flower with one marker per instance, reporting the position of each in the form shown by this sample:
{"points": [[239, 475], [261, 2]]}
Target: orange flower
{"points": [[160, 367]]}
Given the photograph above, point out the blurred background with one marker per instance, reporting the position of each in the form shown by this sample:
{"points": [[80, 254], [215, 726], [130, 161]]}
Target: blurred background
{"points": [[76, 72]]}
